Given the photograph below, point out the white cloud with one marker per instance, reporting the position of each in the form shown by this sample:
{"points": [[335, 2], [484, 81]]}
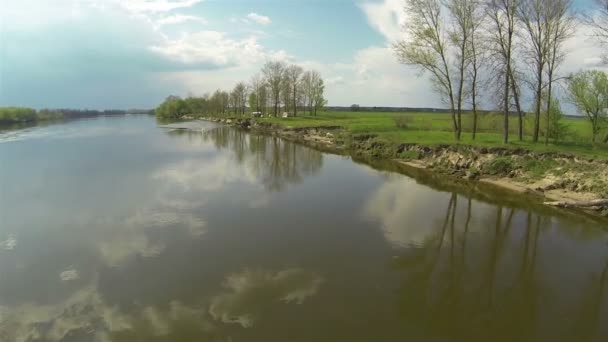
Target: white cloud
{"points": [[386, 17], [180, 19], [258, 18], [156, 6], [212, 48]]}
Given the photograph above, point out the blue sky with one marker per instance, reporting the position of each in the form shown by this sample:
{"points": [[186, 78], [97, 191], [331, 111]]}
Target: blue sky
{"points": [[133, 53]]}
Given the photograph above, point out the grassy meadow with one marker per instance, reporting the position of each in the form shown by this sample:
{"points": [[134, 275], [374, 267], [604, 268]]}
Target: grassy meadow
{"points": [[436, 128]]}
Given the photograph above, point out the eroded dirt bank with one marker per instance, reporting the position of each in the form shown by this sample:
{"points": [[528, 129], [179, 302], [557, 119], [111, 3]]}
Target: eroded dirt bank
{"points": [[561, 180]]}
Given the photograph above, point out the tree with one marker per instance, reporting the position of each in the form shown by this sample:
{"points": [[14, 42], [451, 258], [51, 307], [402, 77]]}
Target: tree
{"points": [[273, 72], [286, 91], [293, 74], [240, 92], [597, 19], [257, 83], [234, 101], [478, 57], [262, 98], [172, 108], [225, 101], [534, 16], [561, 28], [589, 93], [253, 102], [307, 90], [464, 15], [426, 47], [556, 129], [501, 14], [318, 98]]}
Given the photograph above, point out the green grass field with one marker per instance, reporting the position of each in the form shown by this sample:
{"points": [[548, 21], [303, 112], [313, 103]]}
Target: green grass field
{"points": [[436, 128]]}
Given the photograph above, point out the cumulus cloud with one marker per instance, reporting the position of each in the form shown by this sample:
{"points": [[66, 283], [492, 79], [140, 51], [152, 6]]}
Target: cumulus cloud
{"points": [[156, 6], [210, 47], [180, 19], [258, 18], [387, 17]]}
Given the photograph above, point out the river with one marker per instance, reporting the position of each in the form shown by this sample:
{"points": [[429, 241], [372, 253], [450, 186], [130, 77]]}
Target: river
{"points": [[119, 229]]}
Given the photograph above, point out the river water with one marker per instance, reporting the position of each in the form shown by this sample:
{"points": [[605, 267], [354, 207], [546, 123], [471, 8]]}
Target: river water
{"points": [[118, 229]]}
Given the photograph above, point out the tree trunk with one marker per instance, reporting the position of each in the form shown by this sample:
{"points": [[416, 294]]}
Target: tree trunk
{"points": [[539, 88], [549, 108], [460, 88], [474, 92], [506, 118], [520, 130], [295, 104]]}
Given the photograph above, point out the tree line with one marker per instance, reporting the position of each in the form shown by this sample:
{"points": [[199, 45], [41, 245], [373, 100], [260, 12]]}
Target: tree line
{"points": [[276, 87], [11, 115], [507, 51]]}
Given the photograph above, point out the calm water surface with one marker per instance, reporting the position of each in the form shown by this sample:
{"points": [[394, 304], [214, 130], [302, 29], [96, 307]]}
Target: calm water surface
{"points": [[116, 229]]}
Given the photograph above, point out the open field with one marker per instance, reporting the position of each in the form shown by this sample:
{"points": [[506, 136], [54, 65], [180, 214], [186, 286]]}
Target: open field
{"points": [[434, 129]]}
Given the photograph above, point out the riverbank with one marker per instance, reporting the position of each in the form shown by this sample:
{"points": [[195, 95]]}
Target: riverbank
{"points": [[558, 179]]}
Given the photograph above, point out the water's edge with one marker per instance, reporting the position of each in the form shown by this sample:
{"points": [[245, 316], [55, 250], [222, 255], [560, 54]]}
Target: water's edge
{"points": [[445, 169]]}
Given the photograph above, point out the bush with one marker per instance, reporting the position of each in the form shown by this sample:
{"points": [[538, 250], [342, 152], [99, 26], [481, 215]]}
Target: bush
{"points": [[17, 114], [501, 166], [172, 108], [404, 121]]}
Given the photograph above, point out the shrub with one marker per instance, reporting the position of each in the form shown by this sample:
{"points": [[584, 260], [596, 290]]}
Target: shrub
{"points": [[501, 166], [404, 121]]}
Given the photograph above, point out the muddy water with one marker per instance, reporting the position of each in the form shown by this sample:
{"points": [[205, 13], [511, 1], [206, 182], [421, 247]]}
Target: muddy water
{"points": [[116, 229]]}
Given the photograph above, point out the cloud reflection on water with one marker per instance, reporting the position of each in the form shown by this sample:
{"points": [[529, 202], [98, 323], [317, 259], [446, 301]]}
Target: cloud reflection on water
{"points": [[86, 315]]}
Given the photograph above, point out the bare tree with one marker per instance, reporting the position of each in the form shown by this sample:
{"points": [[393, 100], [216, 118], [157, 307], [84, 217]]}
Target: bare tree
{"points": [[465, 20], [318, 90], [561, 26], [534, 16], [240, 91], [256, 85], [501, 14], [293, 73], [598, 21], [286, 91], [426, 47], [478, 56], [308, 90], [273, 72]]}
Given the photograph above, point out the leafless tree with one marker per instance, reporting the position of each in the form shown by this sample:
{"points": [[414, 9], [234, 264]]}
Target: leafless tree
{"points": [[597, 19], [293, 73], [318, 89], [256, 85], [286, 91], [307, 90], [478, 57], [465, 19], [274, 72], [239, 95], [561, 24], [533, 14], [501, 15]]}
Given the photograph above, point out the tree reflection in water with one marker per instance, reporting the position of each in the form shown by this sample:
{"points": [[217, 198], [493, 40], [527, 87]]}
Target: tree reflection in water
{"points": [[274, 161], [480, 279]]}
